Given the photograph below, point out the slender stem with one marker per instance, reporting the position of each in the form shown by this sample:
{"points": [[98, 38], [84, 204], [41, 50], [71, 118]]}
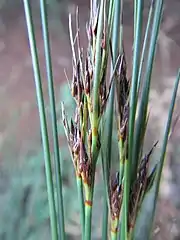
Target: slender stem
{"points": [[97, 78], [115, 18], [142, 113], [60, 208], [95, 123], [105, 217], [109, 128], [106, 163], [43, 124], [114, 228], [135, 17], [133, 94], [166, 137], [121, 156], [145, 43], [81, 201], [88, 217], [116, 44], [136, 57], [168, 125], [89, 190], [126, 199], [113, 235], [106, 195]]}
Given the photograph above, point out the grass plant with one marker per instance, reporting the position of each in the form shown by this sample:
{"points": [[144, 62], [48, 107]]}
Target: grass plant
{"points": [[100, 97]]}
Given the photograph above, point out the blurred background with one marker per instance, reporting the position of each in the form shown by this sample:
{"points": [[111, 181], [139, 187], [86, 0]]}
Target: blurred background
{"points": [[23, 199]]}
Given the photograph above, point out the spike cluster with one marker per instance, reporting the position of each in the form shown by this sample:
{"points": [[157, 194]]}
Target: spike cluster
{"points": [[122, 89], [115, 196], [80, 155], [141, 185], [139, 188], [143, 181], [80, 131]]}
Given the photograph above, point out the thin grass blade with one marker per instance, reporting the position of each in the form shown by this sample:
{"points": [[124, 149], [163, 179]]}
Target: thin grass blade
{"points": [[57, 161], [95, 116], [143, 106], [145, 43], [81, 200], [165, 139], [106, 196], [138, 8], [110, 109], [144, 225], [43, 124]]}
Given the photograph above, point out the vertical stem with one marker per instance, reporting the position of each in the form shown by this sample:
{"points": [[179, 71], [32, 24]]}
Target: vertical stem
{"points": [[136, 57], [97, 70], [121, 166], [135, 17], [95, 122], [133, 98], [142, 113], [110, 108], [43, 124], [113, 236], [105, 217], [81, 200], [165, 141], [88, 207], [114, 228], [88, 216], [145, 43], [60, 208]]}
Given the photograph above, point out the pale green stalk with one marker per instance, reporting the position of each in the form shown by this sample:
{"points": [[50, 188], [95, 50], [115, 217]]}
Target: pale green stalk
{"points": [[132, 105], [145, 43], [143, 106], [95, 121], [165, 142], [60, 208], [110, 107], [81, 202], [109, 113], [43, 124]]}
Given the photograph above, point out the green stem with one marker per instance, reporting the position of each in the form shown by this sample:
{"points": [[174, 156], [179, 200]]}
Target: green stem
{"points": [[89, 190], [81, 201], [165, 142], [60, 208], [121, 155], [133, 105], [130, 235], [114, 228], [88, 217], [97, 74], [142, 113], [113, 236], [166, 135], [135, 17], [95, 123], [136, 57], [145, 43], [116, 43], [105, 217], [43, 124], [124, 222], [106, 173]]}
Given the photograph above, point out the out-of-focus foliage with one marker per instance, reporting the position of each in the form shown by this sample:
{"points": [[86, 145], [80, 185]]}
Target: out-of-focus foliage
{"points": [[23, 196]]}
